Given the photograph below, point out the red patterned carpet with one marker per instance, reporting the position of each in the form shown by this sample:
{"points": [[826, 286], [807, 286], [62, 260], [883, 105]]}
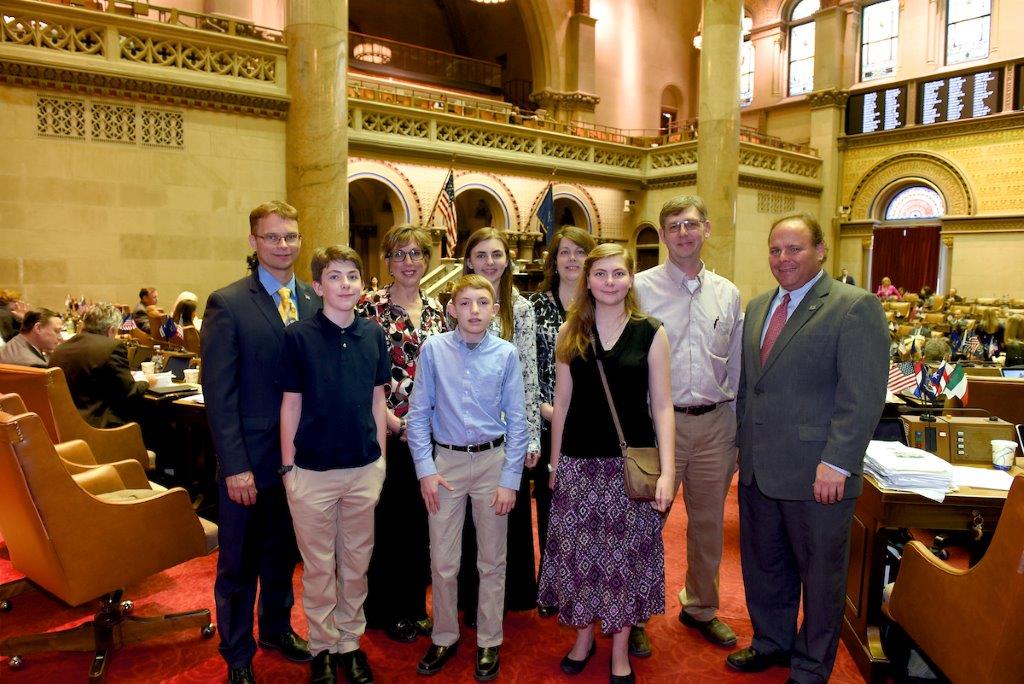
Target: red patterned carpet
{"points": [[532, 650]]}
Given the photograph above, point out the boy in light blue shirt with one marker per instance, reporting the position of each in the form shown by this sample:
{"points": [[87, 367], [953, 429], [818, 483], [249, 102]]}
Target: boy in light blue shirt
{"points": [[468, 436]]}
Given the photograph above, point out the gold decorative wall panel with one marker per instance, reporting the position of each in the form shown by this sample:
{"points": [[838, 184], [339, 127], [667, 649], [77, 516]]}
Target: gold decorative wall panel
{"points": [[109, 122], [60, 117]]}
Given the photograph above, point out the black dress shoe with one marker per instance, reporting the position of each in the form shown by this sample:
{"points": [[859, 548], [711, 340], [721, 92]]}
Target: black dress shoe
{"points": [[354, 666], [487, 663], [714, 630], [291, 645], [403, 631], [424, 626], [436, 658], [639, 644], [241, 675], [321, 670], [750, 660], [574, 667], [547, 611], [622, 679]]}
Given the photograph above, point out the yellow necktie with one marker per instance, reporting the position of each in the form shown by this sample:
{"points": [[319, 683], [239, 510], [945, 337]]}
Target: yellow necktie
{"points": [[286, 308]]}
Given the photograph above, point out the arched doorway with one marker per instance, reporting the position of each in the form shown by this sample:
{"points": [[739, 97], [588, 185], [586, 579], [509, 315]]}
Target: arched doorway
{"points": [[906, 245], [569, 212], [646, 247], [373, 208], [477, 207]]}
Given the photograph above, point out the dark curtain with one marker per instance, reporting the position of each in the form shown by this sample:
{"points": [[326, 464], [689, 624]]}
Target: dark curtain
{"points": [[909, 256]]}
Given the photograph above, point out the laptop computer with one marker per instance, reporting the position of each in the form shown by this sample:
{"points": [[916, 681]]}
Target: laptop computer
{"points": [[1013, 373]]}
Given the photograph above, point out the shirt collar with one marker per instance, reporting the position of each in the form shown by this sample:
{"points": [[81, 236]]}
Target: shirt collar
{"points": [[271, 284], [679, 278], [801, 291], [462, 341], [331, 328]]}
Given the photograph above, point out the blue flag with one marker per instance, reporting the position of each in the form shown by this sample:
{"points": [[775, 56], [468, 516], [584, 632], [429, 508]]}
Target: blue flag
{"points": [[169, 329], [546, 213]]}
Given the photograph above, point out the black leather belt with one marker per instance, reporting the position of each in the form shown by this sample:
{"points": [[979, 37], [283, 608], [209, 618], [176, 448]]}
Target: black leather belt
{"points": [[473, 448], [697, 410]]}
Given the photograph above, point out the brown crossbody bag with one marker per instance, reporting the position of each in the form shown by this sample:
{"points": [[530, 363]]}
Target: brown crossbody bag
{"points": [[642, 465]]}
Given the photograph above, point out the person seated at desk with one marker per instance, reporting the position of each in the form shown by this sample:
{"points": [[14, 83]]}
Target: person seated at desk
{"points": [[936, 352], [12, 309], [40, 335], [184, 311], [96, 367], [148, 297], [887, 290], [952, 297]]}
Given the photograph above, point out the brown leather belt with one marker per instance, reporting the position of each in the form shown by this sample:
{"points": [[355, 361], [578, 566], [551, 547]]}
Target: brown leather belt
{"points": [[473, 448], [697, 410]]}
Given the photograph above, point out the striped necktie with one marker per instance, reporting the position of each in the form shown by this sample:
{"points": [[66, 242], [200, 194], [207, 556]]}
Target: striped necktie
{"points": [[775, 326], [286, 308]]}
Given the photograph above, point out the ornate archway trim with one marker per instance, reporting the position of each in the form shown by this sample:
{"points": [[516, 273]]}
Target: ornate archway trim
{"points": [[580, 196], [932, 169], [494, 186], [391, 176]]}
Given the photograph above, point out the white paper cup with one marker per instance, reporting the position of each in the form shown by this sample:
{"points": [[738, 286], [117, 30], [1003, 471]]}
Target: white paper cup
{"points": [[1002, 453], [191, 375], [148, 367], [161, 379]]}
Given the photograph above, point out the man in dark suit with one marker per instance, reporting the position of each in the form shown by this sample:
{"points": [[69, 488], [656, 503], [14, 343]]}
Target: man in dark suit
{"points": [[96, 368], [812, 388], [845, 277], [242, 335]]}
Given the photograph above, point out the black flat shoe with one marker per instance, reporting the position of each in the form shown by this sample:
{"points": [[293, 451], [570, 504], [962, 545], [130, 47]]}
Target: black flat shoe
{"points": [[241, 675], [321, 669], [751, 660], [291, 645], [435, 658], [574, 667], [354, 666], [487, 663], [547, 611], [622, 679], [403, 631]]}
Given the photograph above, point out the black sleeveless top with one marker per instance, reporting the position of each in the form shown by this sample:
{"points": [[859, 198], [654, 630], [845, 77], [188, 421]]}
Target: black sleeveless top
{"points": [[589, 431]]}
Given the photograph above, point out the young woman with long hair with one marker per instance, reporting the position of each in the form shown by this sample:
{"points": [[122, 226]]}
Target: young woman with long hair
{"points": [[604, 561]]}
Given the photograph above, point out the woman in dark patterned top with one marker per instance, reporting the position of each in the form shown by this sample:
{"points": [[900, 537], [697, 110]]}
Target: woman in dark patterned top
{"points": [[562, 268], [605, 561], [400, 567]]}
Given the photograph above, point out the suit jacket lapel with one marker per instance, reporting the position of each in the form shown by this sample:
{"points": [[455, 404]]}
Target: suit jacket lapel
{"points": [[810, 305], [265, 303], [307, 299], [759, 314]]}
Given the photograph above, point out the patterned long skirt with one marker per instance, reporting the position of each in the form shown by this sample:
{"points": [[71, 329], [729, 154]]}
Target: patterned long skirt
{"points": [[604, 560]]}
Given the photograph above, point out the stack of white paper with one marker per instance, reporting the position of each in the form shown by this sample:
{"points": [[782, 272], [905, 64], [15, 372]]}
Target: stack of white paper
{"points": [[897, 466]]}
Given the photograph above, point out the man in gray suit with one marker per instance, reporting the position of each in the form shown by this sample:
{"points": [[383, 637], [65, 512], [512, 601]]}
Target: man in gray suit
{"points": [[812, 388]]}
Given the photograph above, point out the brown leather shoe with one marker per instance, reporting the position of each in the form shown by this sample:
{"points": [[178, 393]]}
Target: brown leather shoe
{"points": [[750, 660], [639, 644], [435, 658], [714, 630]]}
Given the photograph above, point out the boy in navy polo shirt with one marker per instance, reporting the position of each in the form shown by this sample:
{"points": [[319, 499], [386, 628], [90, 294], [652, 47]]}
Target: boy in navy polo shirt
{"points": [[467, 401], [333, 371]]}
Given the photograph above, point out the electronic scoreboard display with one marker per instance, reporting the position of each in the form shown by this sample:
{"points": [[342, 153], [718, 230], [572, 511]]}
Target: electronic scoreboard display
{"points": [[877, 110], [964, 96]]}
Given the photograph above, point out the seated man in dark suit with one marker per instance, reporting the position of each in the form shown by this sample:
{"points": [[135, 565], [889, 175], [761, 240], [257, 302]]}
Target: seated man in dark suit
{"points": [[96, 367], [40, 335], [148, 297]]}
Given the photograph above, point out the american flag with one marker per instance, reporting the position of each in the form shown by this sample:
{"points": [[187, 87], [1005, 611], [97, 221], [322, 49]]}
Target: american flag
{"points": [[973, 344], [172, 332], [903, 376], [128, 324], [446, 205]]}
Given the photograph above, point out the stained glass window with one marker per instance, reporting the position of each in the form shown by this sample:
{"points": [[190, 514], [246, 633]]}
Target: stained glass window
{"points": [[879, 31], [917, 201], [801, 47], [968, 23], [746, 73]]}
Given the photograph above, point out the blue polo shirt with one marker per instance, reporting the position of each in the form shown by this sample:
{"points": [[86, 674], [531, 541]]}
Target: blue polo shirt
{"points": [[335, 370]]}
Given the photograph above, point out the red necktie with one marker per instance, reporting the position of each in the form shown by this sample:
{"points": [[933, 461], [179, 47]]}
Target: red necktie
{"points": [[775, 326]]}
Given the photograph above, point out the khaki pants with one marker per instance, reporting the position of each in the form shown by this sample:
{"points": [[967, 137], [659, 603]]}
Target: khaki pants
{"points": [[332, 511], [705, 463], [474, 475]]}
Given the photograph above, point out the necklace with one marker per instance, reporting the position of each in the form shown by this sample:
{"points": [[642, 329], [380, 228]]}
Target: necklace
{"points": [[610, 337]]}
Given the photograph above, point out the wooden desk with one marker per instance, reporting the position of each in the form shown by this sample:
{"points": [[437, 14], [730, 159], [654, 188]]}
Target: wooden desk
{"points": [[879, 510]]}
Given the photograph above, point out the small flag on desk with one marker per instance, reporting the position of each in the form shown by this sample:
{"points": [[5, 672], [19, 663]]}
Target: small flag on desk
{"points": [[171, 331], [956, 383], [128, 324], [902, 376], [973, 344]]}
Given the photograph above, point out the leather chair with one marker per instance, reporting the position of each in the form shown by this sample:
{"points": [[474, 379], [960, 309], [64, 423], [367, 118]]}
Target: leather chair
{"points": [[968, 622], [80, 547], [191, 339], [45, 393]]}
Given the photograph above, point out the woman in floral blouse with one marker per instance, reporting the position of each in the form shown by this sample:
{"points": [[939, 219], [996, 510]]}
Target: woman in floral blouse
{"points": [[562, 268], [400, 566], [487, 254]]}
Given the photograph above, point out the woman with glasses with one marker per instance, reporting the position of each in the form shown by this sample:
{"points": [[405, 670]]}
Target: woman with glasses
{"points": [[562, 268], [487, 253], [400, 566]]}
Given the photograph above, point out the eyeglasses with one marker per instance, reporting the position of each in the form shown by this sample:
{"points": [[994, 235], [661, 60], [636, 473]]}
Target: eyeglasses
{"points": [[399, 255], [690, 225], [273, 239]]}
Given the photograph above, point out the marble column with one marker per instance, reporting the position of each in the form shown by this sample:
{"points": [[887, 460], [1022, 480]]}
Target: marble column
{"points": [[827, 103], [317, 131], [718, 143]]}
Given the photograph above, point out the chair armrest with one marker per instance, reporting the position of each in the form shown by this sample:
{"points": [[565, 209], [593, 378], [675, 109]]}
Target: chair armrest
{"points": [[922, 582], [131, 475], [99, 479], [77, 452], [115, 444]]}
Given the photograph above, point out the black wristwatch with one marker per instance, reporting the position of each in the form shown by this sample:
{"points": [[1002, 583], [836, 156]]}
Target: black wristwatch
{"points": [[285, 469]]}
